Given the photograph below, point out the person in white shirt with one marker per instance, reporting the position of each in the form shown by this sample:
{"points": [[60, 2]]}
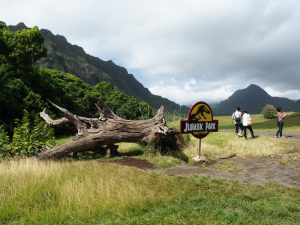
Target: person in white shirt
{"points": [[237, 120], [247, 124]]}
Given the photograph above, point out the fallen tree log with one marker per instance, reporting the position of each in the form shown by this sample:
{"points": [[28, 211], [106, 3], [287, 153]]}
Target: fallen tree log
{"points": [[101, 134]]}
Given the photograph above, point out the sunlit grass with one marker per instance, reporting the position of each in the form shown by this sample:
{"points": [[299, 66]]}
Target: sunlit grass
{"points": [[229, 166], [220, 144], [215, 145], [224, 144], [89, 192], [32, 189], [292, 122]]}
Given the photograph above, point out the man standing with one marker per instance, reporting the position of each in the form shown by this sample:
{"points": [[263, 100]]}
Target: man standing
{"points": [[247, 124], [237, 120]]}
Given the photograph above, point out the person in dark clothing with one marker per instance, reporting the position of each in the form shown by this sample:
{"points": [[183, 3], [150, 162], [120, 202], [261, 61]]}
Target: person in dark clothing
{"points": [[237, 120]]}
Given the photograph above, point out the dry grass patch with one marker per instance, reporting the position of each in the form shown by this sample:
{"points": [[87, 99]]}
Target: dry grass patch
{"points": [[219, 144]]}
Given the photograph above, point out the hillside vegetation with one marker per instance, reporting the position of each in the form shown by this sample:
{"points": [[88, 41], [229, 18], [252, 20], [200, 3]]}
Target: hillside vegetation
{"points": [[26, 87], [63, 56]]}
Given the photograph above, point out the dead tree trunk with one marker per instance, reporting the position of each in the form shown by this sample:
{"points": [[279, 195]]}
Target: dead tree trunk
{"points": [[98, 134]]}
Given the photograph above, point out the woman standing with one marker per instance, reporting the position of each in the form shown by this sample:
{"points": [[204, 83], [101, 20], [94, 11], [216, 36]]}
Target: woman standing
{"points": [[280, 118]]}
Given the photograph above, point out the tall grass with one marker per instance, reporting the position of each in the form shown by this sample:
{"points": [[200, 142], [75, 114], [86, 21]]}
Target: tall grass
{"points": [[35, 192], [223, 144]]}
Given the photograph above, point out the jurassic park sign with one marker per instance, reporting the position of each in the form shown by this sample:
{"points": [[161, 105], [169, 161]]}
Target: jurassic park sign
{"points": [[200, 121]]}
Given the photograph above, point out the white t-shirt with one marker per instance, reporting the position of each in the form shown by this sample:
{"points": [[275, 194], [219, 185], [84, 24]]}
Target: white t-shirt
{"points": [[236, 114], [246, 119]]}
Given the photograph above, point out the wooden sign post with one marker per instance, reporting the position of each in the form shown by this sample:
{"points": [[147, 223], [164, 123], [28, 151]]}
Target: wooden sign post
{"points": [[200, 122]]}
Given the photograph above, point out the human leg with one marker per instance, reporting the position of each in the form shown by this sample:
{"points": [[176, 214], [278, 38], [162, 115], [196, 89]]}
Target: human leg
{"points": [[280, 127], [236, 128], [278, 130], [241, 128], [245, 131], [251, 131]]}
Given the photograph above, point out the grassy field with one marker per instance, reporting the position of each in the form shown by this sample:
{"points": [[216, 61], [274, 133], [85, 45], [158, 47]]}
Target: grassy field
{"points": [[292, 123], [89, 192], [217, 145], [224, 143], [96, 192]]}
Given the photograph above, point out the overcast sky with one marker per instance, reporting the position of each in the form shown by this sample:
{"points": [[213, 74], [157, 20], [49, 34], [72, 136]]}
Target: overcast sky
{"points": [[185, 50]]}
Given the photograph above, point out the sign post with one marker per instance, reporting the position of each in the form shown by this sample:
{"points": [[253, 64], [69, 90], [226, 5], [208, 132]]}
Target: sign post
{"points": [[199, 147], [200, 122]]}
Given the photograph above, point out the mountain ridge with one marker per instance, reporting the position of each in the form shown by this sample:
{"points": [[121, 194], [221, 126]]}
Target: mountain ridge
{"points": [[70, 58], [253, 98]]}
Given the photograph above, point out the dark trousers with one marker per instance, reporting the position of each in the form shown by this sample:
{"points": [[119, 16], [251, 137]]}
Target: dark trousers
{"points": [[237, 127], [280, 128], [251, 131]]}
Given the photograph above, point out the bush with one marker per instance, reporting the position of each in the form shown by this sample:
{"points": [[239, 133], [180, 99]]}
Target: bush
{"points": [[269, 112], [28, 140], [166, 145], [4, 143]]}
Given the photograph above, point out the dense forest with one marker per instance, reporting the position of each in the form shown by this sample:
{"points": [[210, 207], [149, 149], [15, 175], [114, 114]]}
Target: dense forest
{"points": [[26, 87]]}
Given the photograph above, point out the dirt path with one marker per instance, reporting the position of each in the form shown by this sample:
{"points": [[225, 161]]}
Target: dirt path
{"points": [[259, 170], [284, 170]]}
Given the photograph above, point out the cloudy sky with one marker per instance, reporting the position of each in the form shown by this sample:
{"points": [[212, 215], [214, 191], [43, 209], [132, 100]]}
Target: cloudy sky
{"points": [[185, 50]]}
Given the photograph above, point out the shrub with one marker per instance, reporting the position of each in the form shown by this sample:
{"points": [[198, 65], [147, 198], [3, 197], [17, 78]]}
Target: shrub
{"points": [[4, 143], [27, 139], [167, 145], [269, 112]]}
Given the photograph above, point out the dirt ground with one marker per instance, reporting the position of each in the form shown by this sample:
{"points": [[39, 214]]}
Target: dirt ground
{"points": [[283, 170], [259, 170], [138, 163]]}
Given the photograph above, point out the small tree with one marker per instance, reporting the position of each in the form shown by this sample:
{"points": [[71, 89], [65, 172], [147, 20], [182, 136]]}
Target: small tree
{"points": [[269, 112]]}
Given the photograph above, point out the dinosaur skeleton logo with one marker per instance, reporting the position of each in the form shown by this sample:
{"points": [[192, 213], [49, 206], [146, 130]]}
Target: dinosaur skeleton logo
{"points": [[200, 113]]}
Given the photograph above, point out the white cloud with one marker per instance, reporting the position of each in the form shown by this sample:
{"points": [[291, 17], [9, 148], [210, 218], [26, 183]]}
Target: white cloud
{"points": [[287, 94], [190, 91], [225, 44]]}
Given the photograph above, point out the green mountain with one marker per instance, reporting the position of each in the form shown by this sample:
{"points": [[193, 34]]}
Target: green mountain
{"points": [[72, 59], [26, 87], [253, 99]]}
